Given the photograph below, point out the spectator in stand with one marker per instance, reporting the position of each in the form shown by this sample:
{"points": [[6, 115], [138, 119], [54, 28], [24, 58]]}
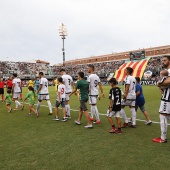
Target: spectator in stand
{"points": [[2, 89]]}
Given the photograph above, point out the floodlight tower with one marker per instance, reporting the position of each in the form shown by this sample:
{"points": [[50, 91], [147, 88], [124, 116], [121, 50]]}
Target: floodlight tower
{"points": [[63, 34]]}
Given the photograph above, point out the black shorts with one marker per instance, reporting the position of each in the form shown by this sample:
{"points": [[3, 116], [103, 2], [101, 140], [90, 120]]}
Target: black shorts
{"points": [[9, 88], [1, 90], [83, 105]]}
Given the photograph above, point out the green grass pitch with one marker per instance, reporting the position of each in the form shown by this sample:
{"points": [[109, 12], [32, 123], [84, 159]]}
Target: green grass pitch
{"points": [[30, 143]]}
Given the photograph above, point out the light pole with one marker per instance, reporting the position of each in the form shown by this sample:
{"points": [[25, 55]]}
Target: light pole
{"points": [[63, 34]]}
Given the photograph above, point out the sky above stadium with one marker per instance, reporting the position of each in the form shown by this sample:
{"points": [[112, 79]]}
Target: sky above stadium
{"points": [[29, 28]]}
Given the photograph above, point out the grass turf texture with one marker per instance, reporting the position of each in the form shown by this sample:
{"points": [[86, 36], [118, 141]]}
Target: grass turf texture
{"points": [[40, 143]]}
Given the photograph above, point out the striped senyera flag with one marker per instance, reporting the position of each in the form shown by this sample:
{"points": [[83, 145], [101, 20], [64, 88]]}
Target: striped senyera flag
{"points": [[138, 69]]}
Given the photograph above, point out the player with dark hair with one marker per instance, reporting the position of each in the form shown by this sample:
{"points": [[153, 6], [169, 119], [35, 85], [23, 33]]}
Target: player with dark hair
{"points": [[60, 100], [129, 97], [83, 85], [69, 85], [94, 81], [140, 101], [31, 97], [8, 99], [9, 83], [115, 106], [164, 109], [16, 89], [43, 93]]}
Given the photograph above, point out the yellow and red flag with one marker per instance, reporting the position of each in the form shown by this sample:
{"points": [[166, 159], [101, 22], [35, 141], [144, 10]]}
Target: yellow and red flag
{"points": [[138, 69]]}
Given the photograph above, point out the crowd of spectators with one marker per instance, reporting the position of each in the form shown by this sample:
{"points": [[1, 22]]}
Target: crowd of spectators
{"points": [[101, 69], [23, 69]]}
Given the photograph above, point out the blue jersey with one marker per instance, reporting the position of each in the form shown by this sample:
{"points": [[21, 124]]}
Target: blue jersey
{"points": [[140, 100], [36, 85]]}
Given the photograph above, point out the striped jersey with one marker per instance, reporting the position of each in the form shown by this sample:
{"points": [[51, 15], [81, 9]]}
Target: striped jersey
{"points": [[166, 95]]}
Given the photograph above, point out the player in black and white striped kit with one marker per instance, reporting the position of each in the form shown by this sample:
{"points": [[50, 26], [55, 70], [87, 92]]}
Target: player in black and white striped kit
{"points": [[164, 109]]}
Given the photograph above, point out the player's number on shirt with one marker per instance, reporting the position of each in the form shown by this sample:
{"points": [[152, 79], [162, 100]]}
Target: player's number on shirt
{"points": [[117, 100], [133, 85], [45, 84], [95, 83], [69, 82], [62, 91], [18, 84]]}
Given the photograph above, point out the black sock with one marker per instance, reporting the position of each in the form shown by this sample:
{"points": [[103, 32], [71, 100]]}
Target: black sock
{"points": [[113, 126]]}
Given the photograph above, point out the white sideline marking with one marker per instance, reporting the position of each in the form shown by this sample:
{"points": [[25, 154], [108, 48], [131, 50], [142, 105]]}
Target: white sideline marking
{"points": [[140, 120]]}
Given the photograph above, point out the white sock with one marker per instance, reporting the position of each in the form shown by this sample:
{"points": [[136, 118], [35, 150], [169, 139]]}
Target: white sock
{"points": [[38, 106], [16, 102], [91, 111], [96, 112], [133, 116], [67, 109], [123, 114], [164, 126], [50, 106]]}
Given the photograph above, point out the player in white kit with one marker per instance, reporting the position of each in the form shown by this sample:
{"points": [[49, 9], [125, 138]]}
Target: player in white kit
{"points": [[16, 89], [94, 81], [68, 82], [129, 97], [164, 109], [43, 93]]}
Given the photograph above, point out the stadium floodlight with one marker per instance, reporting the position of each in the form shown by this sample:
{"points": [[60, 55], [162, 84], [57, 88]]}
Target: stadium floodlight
{"points": [[63, 33]]}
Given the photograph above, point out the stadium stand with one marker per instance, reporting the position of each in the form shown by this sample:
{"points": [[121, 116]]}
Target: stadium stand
{"points": [[104, 65]]}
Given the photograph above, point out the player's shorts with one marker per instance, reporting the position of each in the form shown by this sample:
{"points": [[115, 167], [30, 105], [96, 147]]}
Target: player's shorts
{"points": [[142, 108], [113, 113], [1, 90], [129, 102], [93, 99], [16, 95], [9, 88], [43, 97], [67, 96], [83, 105], [62, 103], [8, 103], [164, 107]]}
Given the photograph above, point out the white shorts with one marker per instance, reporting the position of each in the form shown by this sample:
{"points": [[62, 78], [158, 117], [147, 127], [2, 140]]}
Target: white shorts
{"points": [[164, 107], [16, 95], [93, 99], [113, 113], [43, 97], [128, 102], [67, 98]]}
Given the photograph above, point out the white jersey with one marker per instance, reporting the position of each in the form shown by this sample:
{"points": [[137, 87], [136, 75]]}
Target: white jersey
{"points": [[61, 89], [17, 87], [168, 72], [130, 80], [67, 79], [93, 80], [44, 83]]}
